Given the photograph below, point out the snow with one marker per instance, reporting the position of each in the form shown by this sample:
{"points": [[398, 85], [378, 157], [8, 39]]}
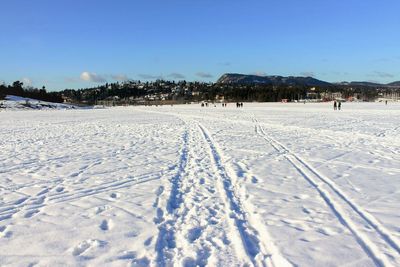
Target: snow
{"points": [[270, 184], [12, 102]]}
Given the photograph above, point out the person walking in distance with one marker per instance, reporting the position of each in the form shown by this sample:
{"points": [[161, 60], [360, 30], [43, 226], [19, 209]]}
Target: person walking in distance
{"points": [[334, 105], [339, 105]]}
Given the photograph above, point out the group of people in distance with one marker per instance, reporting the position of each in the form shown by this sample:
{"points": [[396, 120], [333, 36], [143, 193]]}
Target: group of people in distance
{"points": [[337, 105], [239, 105]]}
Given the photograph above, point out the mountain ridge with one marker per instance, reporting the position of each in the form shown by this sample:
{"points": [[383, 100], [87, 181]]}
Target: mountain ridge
{"points": [[272, 80], [238, 78]]}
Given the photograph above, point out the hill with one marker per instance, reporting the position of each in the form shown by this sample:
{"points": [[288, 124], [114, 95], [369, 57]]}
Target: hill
{"points": [[394, 84], [235, 78]]}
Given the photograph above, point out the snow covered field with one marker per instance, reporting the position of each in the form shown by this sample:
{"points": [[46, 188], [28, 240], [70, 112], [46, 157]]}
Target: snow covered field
{"points": [[269, 184]]}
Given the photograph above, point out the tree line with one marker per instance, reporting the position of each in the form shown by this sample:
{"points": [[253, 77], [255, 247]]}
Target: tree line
{"points": [[184, 91], [192, 91], [17, 89]]}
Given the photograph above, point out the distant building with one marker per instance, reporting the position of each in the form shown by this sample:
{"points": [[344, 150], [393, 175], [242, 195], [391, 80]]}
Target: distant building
{"points": [[327, 96], [312, 95], [392, 95], [220, 98]]}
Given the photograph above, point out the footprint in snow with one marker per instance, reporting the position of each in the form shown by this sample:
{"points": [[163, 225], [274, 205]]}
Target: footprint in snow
{"points": [[308, 211], [160, 190], [141, 262], [194, 233], [148, 241], [32, 264], [39, 200], [105, 225], [44, 191], [326, 231], [31, 213], [212, 211], [189, 262], [302, 196], [4, 232], [101, 209], [87, 244], [131, 234], [59, 189], [159, 217], [20, 201], [127, 255], [5, 217]]}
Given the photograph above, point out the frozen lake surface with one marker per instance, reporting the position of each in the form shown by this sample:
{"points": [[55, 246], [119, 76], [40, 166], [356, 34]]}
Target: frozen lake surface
{"points": [[265, 185]]}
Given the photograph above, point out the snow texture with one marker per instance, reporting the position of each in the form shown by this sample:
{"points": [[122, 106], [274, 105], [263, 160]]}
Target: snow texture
{"points": [[265, 185], [12, 102]]}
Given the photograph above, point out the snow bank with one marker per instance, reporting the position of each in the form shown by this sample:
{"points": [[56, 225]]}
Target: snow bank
{"points": [[12, 102]]}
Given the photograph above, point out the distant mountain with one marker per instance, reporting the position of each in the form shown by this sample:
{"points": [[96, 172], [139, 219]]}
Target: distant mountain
{"points": [[367, 84], [394, 84], [371, 84], [235, 78]]}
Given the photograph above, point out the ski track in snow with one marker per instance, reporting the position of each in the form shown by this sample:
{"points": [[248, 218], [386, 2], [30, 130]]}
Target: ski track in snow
{"points": [[328, 134], [382, 246], [32, 204], [204, 221]]}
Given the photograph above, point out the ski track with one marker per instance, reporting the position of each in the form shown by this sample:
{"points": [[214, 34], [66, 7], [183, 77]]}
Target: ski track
{"points": [[385, 143], [203, 220], [380, 245], [42, 199], [257, 243]]}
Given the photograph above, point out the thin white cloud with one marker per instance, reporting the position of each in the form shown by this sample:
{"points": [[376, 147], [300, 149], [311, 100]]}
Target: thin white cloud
{"points": [[382, 60], [338, 73], [71, 80], [150, 77], [307, 73], [92, 77], [26, 81], [382, 74], [227, 63], [259, 73], [119, 77], [204, 75], [176, 75]]}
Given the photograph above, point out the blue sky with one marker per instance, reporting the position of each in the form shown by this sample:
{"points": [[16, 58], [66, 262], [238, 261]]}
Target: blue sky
{"points": [[73, 44]]}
